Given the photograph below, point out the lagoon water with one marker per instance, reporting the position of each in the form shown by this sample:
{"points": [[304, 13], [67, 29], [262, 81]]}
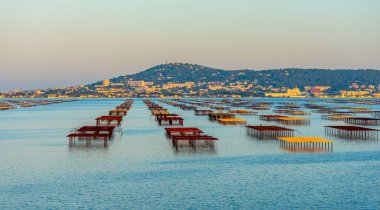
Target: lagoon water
{"points": [[140, 170]]}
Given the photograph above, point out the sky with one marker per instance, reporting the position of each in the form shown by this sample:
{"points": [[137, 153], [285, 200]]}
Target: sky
{"points": [[59, 43]]}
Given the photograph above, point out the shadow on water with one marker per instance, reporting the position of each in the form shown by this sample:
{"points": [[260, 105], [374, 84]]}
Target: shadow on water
{"points": [[305, 149], [84, 144], [198, 150], [196, 147]]}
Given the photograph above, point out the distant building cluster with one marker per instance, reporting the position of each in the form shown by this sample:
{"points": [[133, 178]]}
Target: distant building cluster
{"points": [[141, 88]]}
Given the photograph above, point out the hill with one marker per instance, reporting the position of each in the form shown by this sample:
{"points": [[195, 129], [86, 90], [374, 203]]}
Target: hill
{"points": [[292, 77]]}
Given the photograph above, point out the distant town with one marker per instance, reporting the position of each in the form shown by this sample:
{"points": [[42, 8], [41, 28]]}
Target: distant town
{"points": [[167, 80], [190, 89]]}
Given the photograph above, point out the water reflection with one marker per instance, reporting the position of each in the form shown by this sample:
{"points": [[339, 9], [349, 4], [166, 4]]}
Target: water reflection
{"points": [[305, 149], [238, 164], [195, 150], [197, 146], [83, 143]]}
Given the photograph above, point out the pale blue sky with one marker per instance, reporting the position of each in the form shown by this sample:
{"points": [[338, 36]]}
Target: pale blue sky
{"points": [[55, 43]]}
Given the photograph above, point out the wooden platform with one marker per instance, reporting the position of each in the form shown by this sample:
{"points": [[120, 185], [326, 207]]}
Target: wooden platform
{"points": [[108, 120], [352, 132], [269, 132], [216, 116], [170, 120], [89, 133], [189, 136], [202, 112], [305, 143], [232, 121]]}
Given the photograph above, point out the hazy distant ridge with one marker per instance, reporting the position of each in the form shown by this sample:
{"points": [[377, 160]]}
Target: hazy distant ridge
{"points": [[292, 77]]}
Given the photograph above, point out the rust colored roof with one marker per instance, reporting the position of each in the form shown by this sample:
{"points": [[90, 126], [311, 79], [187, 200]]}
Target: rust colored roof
{"points": [[183, 130], [272, 116], [118, 110], [362, 118], [195, 137], [96, 128], [352, 128], [165, 115], [269, 128], [169, 118], [118, 118]]}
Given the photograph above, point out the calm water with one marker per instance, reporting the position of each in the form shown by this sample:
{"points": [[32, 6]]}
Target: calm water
{"points": [[140, 170]]}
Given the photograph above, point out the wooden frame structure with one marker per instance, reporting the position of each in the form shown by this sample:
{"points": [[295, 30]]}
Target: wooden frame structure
{"points": [[270, 117], [334, 117], [108, 120], [6, 106], [193, 141], [362, 121], [170, 120], [183, 131], [101, 131], [242, 112], [92, 133], [157, 111], [352, 132], [203, 112], [297, 121], [117, 112], [165, 115], [216, 116], [258, 107], [189, 137], [269, 131], [305, 144], [232, 121]]}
